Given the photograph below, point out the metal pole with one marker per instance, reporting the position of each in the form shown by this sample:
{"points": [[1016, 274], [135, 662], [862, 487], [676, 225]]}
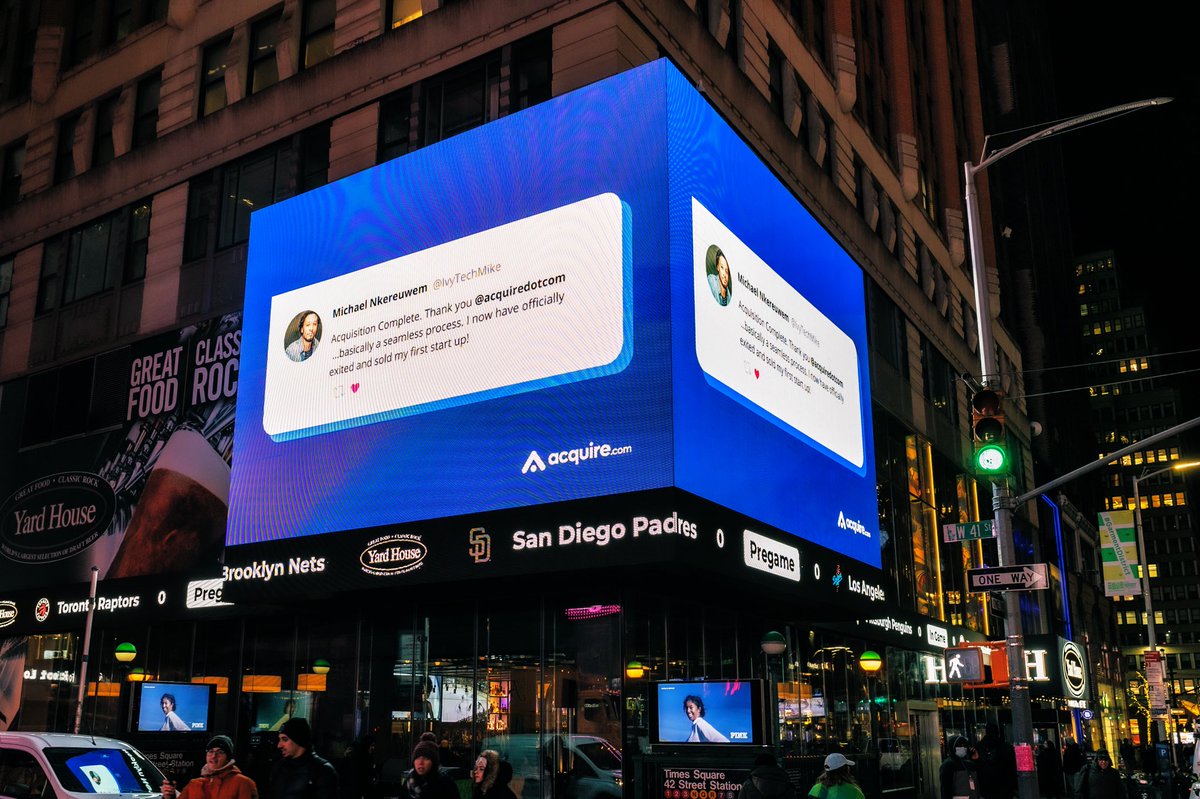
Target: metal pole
{"points": [[83, 660], [1022, 714]]}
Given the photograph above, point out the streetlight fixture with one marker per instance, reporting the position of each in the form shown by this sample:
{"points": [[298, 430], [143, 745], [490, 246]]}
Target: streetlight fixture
{"points": [[1001, 492], [1151, 639]]}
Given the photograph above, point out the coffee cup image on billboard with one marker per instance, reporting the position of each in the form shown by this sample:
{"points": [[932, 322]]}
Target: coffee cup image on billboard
{"points": [[720, 276], [179, 520], [302, 336]]}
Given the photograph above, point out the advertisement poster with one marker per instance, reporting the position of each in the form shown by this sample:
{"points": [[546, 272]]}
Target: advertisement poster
{"points": [[624, 321], [144, 489], [1118, 553]]}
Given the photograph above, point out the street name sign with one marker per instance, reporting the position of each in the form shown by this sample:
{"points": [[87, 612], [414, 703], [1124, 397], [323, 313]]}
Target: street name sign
{"points": [[969, 531], [1030, 577]]}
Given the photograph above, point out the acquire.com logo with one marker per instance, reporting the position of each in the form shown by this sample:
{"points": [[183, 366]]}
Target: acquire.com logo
{"points": [[578, 455]]}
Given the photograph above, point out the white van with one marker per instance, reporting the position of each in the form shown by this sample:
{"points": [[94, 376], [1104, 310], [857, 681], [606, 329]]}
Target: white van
{"points": [[581, 766], [47, 765]]}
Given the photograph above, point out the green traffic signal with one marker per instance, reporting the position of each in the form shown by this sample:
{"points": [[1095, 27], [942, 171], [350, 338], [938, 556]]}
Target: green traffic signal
{"points": [[991, 459]]}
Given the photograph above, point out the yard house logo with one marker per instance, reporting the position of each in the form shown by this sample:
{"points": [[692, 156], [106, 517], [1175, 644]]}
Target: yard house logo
{"points": [[41, 611], [393, 554], [481, 545], [8, 612], [55, 517], [1074, 670]]}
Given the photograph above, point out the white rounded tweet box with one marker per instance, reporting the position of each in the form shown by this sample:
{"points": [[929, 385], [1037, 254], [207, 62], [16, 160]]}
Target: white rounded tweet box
{"points": [[537, 302], [763, 341]]}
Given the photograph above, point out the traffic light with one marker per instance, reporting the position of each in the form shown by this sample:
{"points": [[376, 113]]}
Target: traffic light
{"points": [[989, 431]]}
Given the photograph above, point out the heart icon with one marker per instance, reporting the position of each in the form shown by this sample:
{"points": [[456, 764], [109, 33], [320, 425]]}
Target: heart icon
{"points": [[354, 387], [755, 377]]}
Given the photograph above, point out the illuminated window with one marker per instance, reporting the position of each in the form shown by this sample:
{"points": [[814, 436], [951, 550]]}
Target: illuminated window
{"points": [[1118, 503], [264, 35], [316, 37], [212, 80], [1083, 309], [1180, 500], [1158, 617], [401, 12]]}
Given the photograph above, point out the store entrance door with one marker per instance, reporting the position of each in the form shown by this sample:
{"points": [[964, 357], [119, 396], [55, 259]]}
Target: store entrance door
{"points": [[927, 749]]}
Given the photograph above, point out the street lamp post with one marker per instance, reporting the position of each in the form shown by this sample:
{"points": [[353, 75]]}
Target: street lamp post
{"points": [[1151, 639], [1001, 492]]}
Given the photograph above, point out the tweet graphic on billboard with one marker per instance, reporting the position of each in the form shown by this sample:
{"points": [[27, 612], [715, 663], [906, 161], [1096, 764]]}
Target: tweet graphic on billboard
{"points": [[440, 327], [461, 329]]}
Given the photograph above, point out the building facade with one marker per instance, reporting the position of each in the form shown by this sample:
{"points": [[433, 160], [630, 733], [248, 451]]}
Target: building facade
{"points": [[139, 138]]}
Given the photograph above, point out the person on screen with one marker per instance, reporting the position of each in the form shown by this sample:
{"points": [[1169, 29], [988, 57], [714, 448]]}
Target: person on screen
{"points": [[219, 778], [720, 278], [172, 722], [837, 780], [306, 340], [702, 731]]}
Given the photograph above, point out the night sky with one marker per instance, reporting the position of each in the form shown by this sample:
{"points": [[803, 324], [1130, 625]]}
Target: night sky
{"points": [[1133, 181]]}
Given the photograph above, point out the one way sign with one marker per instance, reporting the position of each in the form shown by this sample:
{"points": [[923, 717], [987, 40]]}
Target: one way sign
{"points": [[1031, 577]]}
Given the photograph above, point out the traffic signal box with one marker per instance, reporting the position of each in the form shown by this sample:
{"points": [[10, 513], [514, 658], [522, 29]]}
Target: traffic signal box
{"points": [[989, 430], [995, 668]]}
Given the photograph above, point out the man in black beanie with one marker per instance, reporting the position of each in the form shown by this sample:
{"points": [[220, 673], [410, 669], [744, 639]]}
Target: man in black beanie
{"points": [[219, 778], [424, 780], [301, 774]]}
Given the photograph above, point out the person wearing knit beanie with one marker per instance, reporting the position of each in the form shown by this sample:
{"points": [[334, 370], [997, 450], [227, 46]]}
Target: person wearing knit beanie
{"points": [[219, 778], [301, 773], [298, 731], [424, 780]]}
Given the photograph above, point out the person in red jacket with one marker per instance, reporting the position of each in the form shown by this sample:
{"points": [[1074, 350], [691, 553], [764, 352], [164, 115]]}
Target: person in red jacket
{"points": [[219, 778]]}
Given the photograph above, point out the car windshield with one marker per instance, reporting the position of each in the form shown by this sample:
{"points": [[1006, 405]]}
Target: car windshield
{"points": [[104, 770], [603, 755]]}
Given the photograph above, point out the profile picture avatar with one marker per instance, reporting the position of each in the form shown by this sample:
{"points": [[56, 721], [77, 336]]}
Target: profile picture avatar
{"points": [[720, 276], [302, 336]]}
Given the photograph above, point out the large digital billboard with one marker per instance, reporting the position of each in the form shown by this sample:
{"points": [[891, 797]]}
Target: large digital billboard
{"points": [[604, 294]]}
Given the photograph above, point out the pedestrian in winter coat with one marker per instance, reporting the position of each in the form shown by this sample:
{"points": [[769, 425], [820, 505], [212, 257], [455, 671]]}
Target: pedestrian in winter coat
{"points": [[767, 781], [219, 778], [301, 774], [1049, 770], [1101, 781], [424, 780], [957, 775], [997, 765], [1073, 764], [491, 777]]}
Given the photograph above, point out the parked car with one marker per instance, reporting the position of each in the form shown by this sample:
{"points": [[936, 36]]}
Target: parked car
{"points": [[583, 766], [48, 765]]}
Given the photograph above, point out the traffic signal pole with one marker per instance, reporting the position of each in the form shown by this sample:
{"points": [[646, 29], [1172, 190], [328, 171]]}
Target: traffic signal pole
{"points": [[1002, 500]]}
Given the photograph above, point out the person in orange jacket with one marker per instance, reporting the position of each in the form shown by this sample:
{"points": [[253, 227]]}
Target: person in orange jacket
{"points": [[220, 778]]}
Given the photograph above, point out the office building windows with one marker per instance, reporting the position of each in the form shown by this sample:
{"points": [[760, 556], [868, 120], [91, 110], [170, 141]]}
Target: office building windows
{"points": [[102, 143], [395, 120], [6, 272], [145, 111], [64, 153], [212, 81], [402, 12], [316, 37], [462, 99], [10, 178], [93, 257], [264, 36]]}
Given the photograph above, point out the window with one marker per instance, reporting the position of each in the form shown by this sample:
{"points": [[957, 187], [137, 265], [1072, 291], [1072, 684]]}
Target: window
{"points": [[145, 112], [530, 71], [19, 768], [64, 154], [313, 164], [102, 145], [212, 82], [395, 118], [246, 186], [91, 258], [264, 36], [10, 178], [402, 12], [316, 38], [82, 25], [462, 99], [6, 272], [18, 33]]}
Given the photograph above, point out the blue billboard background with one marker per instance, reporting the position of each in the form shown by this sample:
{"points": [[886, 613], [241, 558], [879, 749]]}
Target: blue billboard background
{"points": [[649, 139]]}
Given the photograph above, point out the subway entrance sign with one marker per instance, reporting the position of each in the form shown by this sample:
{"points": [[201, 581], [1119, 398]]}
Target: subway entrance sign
{"points": [[1029, 577]]}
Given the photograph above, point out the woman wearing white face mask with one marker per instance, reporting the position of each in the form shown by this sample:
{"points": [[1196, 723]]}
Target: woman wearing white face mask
{"points": [[957, 774]]}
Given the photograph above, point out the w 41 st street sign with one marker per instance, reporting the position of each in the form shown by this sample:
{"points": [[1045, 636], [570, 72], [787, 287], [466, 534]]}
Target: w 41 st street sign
{"points": [[968, 531], [1031, 577]]}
